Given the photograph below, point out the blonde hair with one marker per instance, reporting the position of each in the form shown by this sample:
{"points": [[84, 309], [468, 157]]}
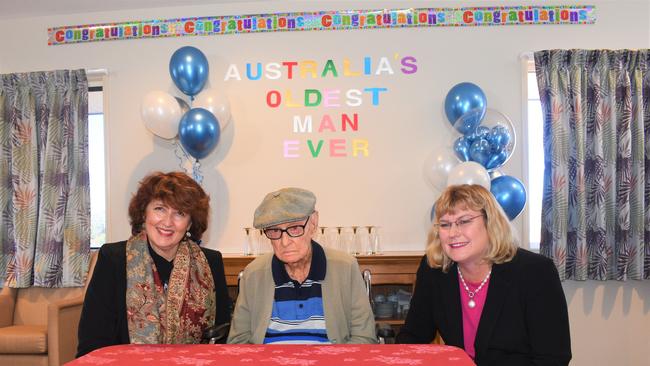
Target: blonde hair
{"points": [[502, 246]]}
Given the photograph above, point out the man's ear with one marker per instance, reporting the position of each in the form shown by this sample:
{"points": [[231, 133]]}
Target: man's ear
{"points": [[314, 220]]}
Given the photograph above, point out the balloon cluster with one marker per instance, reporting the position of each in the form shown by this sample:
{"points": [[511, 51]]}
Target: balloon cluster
{"points": [[488, 136], [197, 125], [487, 141]]}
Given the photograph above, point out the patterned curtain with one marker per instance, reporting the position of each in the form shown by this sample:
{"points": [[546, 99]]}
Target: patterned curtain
{"points": [[44, 185], [596, 202]]}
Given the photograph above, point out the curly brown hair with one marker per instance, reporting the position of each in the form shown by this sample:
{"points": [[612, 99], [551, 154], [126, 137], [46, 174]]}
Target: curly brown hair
{"points": [[177, 190]]}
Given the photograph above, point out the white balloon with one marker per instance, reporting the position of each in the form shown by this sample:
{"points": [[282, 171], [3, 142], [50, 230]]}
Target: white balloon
{"points": [[469, 172], [216, 103], [162, 113], [438, 165]]}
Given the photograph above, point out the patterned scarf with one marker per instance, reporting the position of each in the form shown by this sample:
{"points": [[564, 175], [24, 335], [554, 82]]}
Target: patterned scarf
{"points": [[181, 314]]}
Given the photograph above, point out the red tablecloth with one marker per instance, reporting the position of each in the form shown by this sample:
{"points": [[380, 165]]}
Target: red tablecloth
{"points": [[285, 355]]}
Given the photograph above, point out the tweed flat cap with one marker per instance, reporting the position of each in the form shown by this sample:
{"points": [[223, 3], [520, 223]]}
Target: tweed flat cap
{"points": [[284, 205]]}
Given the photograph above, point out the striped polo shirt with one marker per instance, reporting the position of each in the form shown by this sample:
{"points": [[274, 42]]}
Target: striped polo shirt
{"points": [[298, 315]]}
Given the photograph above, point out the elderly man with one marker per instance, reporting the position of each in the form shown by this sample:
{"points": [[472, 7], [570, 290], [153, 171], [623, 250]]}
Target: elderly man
{"points": [[302, 292]]}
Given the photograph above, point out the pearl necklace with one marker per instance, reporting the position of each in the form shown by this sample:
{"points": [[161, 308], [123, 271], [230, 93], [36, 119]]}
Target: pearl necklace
{"points": [[471, 303]]}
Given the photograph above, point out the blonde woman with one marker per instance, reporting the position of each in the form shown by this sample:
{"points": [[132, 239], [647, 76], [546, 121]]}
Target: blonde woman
{"points": [[502, 304]]}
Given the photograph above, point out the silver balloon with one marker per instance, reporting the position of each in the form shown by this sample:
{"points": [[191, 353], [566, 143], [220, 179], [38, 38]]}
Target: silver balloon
{"points": [[162, 112], [438, 165], [216, 103], [469, 172]]}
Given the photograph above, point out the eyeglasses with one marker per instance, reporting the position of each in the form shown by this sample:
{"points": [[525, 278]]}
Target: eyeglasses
{"points": [[293, 231], [461, 224]]}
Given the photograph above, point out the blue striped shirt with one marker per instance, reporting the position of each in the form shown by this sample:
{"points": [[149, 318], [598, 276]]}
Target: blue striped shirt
{"points": [[298, 315]]}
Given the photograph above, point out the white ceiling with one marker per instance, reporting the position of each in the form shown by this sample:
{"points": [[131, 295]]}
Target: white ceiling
{"points": [[34, 8]]}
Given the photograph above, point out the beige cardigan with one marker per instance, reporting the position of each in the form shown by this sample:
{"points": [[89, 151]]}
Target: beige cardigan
{"points": [[348, 316]]}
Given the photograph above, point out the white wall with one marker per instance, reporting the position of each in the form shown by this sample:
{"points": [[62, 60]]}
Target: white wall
{"points": [[609, 320]]}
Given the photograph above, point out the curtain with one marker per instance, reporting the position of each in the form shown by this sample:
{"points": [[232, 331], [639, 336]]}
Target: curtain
{"points": [[44, 183], [596, 200]]}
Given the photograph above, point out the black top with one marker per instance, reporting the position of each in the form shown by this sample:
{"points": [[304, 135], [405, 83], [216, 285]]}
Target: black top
{"points": [[524, 321], [103, 318], [163, 266]]}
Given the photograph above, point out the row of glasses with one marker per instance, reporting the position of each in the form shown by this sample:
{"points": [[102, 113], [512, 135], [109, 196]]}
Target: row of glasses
{"points": [[255, 242], [355, 240]]}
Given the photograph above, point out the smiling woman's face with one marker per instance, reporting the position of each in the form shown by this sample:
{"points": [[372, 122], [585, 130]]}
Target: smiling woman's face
{"points": [[165, 227], [466, 241]]}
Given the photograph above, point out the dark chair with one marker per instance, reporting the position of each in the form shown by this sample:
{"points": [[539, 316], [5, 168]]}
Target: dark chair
{"points": [[385, 333], [217, 334]]}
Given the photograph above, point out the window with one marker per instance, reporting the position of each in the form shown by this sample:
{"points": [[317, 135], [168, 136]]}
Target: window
{"points": [[96, 162], [535, 156]]}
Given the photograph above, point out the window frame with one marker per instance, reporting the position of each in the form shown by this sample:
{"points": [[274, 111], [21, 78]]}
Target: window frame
{"points": [[98, 78], [527, 66]]}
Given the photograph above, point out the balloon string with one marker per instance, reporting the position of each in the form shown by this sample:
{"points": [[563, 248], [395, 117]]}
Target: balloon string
{"points": [[196, 172], [183, 158], [177, 153], [181, 155]]}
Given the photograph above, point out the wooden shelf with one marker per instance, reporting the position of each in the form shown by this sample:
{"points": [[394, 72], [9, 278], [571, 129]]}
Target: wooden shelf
{"points": [[233, 264], [391, 268], [388, 268]]}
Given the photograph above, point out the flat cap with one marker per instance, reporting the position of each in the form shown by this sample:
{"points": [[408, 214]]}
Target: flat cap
{"points": [[284, 205]]}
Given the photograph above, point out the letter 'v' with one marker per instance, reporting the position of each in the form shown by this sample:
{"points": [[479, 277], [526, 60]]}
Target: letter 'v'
{"points": [[311, 148]]}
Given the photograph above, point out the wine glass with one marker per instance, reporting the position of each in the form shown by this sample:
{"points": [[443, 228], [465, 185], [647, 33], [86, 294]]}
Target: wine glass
{"points": [[347, 240], [331, 237], [375, 239], [264, 243], [248, 245], [319, 236], [254, 241], [362, 239]]}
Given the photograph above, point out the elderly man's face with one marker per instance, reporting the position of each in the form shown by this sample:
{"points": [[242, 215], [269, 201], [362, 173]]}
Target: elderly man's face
{"points": [[295, 249]]}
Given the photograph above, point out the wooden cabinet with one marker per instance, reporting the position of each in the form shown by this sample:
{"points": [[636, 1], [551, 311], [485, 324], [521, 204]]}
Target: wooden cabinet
{"points": [[389, 270], [233, 264]]}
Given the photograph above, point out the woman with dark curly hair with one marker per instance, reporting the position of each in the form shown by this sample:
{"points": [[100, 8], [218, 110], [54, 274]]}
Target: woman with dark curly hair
{"points": [[159, 286]]}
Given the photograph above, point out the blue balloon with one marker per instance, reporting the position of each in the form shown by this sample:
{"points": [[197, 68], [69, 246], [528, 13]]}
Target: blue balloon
{"points": [[468, 122], [495, 149], [433, 212], [480, 151], [510, 193], [199, 132], [471, 137], [465, 106], [461, 148], [188, 68], [499, 136], [482, 132], [497, 158]]}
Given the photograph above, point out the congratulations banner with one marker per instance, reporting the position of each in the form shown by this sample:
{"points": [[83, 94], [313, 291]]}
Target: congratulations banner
{"points": [[325, 20]]}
